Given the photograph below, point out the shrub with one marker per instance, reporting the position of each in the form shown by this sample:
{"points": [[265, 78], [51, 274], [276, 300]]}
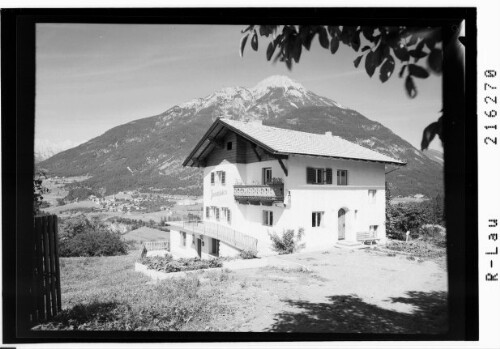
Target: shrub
{"points": [[288, 242], [167, 265], [248, 254], [81, 237]]}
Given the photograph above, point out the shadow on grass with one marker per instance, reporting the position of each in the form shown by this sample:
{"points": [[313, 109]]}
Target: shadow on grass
{"points": [[350, 314], [81, 315]]}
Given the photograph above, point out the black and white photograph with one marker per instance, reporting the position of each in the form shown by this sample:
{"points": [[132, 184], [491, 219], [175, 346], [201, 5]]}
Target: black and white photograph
{"points": [[247, 177]]}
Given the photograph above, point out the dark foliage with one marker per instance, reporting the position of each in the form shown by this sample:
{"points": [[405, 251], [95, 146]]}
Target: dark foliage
{"points": [[81, 237], [383, 46], [80, 193], [39, 190]]}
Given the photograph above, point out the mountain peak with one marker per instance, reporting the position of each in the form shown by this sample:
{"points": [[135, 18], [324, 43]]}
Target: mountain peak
{"points": [[281, 81]]}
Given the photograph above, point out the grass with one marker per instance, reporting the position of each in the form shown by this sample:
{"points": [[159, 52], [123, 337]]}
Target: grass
{"points": [[105, 293]]}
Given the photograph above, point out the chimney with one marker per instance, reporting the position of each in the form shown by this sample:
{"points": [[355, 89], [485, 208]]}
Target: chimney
{"points": [[328, 133]]}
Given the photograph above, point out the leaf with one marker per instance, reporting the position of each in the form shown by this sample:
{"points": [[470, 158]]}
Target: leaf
{"points": [[323, 37], [417, 54], [417, 71], [402, 71], [355, 42], [410, 87], [243, 42], [255, 42], [435, 61], [334, 45], [309, 36], [368, 33], [401, 53], [296, 51], [250, 27], [387, 69], [270, 50], [357, 61], [370, 63], [429, 133]]}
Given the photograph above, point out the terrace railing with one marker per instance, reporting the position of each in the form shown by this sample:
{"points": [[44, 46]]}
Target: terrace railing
{"points": [[220, 232], [259, 193]]}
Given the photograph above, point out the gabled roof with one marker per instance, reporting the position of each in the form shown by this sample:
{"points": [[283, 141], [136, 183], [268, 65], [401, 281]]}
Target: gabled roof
{"points": [[281, 141]]}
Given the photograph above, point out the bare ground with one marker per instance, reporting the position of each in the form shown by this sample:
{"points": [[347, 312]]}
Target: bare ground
{"points": [[345, 291]]}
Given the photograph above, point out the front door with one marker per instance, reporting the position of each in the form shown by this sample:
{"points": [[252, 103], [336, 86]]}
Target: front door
{"points": [[341, 224], [198, 246]]}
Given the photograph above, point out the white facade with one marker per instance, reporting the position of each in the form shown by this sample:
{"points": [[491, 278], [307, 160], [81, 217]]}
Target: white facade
{"points": [[362, 200]]}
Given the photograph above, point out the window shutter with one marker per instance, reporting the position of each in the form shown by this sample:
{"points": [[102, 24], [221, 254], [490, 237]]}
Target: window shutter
{"points": [[270, 218], [329, 179], [313, 219], [310, 174], [223, 177], [264, 218], [228, 215], [212, 178], [263, 176]]}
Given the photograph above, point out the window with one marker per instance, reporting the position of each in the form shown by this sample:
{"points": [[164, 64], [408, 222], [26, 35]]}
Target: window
{"points": [[229, 145], [267, 175], [212, 178], [221, 177], [317, 218], [228, 215], [373, 230], [215, 247], [184, 239], [318, 175], [371, 196], [341, 177], [207, 213], [267, 218]]}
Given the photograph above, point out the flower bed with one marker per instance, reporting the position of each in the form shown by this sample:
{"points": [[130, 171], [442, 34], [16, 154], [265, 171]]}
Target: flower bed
{"points": [[168, 265]]}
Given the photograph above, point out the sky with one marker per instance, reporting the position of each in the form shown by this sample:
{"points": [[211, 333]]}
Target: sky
{"points": [[92, 77]]}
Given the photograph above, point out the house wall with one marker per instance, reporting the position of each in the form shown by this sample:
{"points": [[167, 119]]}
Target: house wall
{"points": [[301, 199]]}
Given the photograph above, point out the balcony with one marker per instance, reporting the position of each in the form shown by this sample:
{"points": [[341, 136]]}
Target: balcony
{"points": [[257, 194]]}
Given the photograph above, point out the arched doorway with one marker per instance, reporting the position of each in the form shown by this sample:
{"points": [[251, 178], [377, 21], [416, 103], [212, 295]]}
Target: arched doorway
{"points": [[341, 224]]}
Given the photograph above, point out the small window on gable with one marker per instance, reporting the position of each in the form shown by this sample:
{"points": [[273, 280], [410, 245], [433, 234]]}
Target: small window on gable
{"points": [[229, 145]]}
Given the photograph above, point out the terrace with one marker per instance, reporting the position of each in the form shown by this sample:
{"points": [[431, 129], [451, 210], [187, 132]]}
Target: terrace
{"points": [[217, 231]]}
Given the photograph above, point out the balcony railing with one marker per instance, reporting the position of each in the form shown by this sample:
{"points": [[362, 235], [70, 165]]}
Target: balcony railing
{"points": [[220, 232], [259, 193]]}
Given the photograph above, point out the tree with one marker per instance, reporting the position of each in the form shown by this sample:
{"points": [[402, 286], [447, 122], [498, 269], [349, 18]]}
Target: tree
{"points": [[380, 46], [38, 189]]}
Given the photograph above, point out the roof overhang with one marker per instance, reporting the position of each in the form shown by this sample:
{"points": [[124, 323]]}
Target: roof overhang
{"points": [[219, 128]]}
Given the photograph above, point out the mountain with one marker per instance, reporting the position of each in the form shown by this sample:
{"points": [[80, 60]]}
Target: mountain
{"points": [[147, 153], [435, 155], [45, 149]]}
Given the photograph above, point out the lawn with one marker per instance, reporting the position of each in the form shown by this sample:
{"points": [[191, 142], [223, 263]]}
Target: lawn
{"points": [[359, 291], [105, 293], [146, 234]]}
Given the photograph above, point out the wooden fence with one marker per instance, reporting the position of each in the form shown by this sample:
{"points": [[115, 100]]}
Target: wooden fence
{"points": [[45, 290]]}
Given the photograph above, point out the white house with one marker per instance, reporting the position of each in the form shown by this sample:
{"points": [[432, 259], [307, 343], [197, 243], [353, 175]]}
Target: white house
{"points": [[260, 179]]}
